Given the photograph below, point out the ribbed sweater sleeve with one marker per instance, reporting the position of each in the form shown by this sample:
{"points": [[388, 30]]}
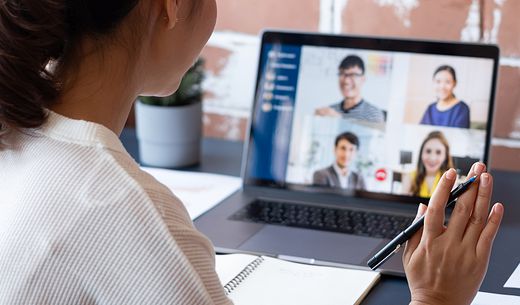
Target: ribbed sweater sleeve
{"points": [[80, 223]]}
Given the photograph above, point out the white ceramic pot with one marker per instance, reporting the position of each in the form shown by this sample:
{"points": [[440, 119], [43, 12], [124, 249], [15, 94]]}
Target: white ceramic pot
{"points": [[169, 136]]}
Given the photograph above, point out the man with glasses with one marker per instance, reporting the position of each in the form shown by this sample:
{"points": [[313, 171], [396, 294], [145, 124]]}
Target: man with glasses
{"points": [[351, 80]]}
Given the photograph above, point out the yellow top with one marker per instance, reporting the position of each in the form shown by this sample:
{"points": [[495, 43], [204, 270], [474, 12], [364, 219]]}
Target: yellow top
{"points": [[424, 190]]}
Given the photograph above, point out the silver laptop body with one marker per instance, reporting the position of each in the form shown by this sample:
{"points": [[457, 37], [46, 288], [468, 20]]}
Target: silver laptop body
{"points": [[319, 174]]}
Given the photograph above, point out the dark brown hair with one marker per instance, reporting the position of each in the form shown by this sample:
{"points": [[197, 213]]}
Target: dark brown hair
{"points": [[352, 61], [34, 33], [349, 136], [421, 169], [448, 69]]}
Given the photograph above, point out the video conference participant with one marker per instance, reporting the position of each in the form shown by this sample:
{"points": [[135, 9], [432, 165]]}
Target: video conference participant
{"points": [[434, 160], [340, 173], [351, 78], [448, 110]]}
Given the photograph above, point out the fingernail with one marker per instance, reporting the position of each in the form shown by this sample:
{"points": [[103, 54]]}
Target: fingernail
{"points": [[498, 208], [451, 174], [424, 207], [421, 210], [484, 179], [479, 168]]}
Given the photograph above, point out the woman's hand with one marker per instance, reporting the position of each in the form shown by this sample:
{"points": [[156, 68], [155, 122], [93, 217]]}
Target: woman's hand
{"points": [[446, 264]]}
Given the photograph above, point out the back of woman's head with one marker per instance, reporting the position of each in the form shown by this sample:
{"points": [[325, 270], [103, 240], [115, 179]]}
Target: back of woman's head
{"points": [[35, 33]]}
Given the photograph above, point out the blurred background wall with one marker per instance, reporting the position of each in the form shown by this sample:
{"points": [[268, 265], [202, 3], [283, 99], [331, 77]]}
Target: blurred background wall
{"points": [[231, 54]]}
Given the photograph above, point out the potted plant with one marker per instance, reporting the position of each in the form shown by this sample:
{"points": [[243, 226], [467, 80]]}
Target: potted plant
{"points": [[169, 128]]}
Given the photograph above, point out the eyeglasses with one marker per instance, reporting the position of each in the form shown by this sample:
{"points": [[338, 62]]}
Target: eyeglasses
{"points": [[353, 76]]}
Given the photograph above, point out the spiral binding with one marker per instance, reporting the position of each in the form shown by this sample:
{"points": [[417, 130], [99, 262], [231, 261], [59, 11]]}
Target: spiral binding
{"points": [[233, 284]]}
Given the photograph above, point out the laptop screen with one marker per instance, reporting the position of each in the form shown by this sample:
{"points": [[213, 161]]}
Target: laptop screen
{"points": [[368, 116]]}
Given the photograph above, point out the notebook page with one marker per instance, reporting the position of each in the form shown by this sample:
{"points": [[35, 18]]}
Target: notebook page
{"points": [[279, 282], [230, 265]]}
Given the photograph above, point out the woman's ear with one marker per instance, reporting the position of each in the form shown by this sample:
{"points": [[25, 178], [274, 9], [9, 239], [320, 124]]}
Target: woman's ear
{"points": [[171, 10]]}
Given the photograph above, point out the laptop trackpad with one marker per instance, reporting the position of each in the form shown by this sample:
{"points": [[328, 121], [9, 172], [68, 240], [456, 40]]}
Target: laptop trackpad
{"points": [[320, 245]]}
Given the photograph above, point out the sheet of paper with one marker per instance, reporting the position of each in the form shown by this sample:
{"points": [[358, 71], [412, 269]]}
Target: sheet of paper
{"points": [[514, 279], [485, 298], [198, 191]]}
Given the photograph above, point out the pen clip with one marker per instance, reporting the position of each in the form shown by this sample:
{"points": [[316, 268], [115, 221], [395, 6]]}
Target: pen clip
{"points": [[387, 257]]}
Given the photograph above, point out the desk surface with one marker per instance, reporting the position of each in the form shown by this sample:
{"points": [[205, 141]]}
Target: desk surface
{"points": [[224, 157]]}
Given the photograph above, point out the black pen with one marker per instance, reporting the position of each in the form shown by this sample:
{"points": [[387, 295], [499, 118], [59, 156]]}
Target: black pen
{"points": [[393, 246]]}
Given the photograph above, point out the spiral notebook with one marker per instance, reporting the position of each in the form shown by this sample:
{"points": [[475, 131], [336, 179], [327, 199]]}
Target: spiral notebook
{"points": [[261, 280]]}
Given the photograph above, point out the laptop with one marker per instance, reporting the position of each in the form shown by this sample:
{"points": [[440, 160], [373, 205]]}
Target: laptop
{"points": [[347, 136]]}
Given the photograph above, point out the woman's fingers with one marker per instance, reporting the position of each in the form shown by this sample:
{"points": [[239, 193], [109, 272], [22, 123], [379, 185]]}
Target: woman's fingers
{"points": [[490, 231], [464, 206], [413, 242], [434, 219], [479, 217]]}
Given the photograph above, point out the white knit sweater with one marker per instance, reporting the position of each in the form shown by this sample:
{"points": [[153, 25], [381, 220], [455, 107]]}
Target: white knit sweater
{"points": [[81, 224]]}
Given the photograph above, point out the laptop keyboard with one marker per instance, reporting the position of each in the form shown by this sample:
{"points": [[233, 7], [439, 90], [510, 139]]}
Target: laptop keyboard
{"points": [[324, 218]]}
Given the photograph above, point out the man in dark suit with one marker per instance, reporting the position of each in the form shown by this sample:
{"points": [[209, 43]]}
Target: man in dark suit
{"points": [[340, 174]]}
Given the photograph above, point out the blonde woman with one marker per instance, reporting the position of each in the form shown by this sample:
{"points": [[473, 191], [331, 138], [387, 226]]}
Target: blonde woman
{"points": [[434, 160]]}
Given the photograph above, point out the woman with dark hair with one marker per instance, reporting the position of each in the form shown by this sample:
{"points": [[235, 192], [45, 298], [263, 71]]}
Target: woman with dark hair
{"points": [[434, 160], [447, 110], [80, 223]]}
